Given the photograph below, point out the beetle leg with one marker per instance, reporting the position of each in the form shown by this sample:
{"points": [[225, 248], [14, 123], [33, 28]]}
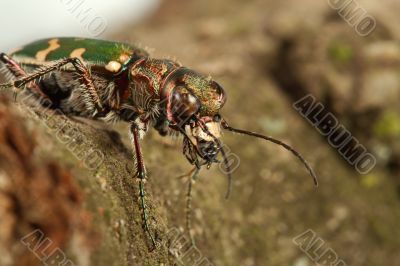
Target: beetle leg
{"points": [[192, 178], [83, 73], [18, 72], [141, 177]]}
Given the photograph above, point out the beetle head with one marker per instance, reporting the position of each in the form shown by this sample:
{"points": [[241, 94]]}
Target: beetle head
{"points": [[192, 107], [192, 103]]}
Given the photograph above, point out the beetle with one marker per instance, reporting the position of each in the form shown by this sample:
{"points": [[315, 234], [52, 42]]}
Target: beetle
{"points": [[115, 81]]}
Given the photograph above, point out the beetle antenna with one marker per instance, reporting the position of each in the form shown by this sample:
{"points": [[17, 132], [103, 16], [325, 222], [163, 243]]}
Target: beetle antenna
{"points": [[278, 142]]}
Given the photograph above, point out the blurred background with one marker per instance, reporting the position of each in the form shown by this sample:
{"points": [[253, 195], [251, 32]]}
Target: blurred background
{"points": [[267, 55], [82, 18]]}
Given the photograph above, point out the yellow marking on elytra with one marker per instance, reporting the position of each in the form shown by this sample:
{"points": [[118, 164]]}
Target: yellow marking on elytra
{"points": [[53, 45], [77, 53], [25, 60], [113, 66], [123, 58]]}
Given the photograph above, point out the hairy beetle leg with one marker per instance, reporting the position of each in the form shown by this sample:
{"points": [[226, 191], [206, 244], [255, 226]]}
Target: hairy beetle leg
{"points": [[18, 72], [84, 76], [192, 178], [141, 176]]}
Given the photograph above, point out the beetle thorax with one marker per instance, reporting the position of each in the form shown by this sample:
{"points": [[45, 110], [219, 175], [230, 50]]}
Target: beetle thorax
{"points": [[150, 73]]}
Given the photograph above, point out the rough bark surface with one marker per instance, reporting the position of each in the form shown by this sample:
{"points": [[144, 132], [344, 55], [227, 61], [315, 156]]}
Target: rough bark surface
{"points": [[264, 53]]}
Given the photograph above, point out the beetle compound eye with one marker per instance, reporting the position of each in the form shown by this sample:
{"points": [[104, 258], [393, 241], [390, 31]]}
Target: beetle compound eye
{"points": [[183, 104], [220, 92]]}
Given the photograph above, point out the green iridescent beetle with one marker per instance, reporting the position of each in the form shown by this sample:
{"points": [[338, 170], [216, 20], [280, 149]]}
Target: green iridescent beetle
{"points": [[116, 81]]}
